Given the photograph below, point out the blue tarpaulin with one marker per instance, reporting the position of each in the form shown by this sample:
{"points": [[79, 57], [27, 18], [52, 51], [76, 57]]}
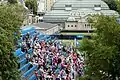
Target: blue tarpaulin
{"points": [[26, 30]]}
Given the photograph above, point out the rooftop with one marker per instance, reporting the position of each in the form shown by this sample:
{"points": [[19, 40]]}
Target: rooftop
{"points": [[63, 9], [41, 25], [60, 4]]}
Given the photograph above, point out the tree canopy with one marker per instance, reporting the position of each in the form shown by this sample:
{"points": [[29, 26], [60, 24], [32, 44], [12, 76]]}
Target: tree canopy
{"points": [[112, 4], [31, 5], [11, 18], [12, 1], [102, 52], [118, 5]]}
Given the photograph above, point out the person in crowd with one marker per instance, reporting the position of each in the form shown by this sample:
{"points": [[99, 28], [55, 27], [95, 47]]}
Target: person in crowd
{"points": [[54, 60], [37, 75], [27, 56]]}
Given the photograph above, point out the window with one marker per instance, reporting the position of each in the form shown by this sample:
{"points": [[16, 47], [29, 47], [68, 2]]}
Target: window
{"points": [[68, 25], [58, 24], [97, 5], [71, 25], [68, 5], [75, 25]]}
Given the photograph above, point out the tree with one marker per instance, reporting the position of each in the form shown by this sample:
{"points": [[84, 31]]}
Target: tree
{"points": [[118, 5], [103, 51], [111, 3], [11, 19], [12, 1], [32, 5]]}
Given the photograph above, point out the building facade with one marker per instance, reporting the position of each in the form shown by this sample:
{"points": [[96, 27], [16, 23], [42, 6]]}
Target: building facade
{"points": [[48, 4], [73, 14], [41, 6], [44, 5]]}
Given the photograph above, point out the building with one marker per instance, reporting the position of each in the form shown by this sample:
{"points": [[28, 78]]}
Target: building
{"points": [[48, 4], [73, 14], [41, 6], [44, 6], [3, 1], [45, 28]]}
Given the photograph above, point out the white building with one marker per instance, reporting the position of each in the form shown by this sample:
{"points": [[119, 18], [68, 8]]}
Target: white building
{"points": [[45, 5], [41, 6], [73, 14], [3, 1]]}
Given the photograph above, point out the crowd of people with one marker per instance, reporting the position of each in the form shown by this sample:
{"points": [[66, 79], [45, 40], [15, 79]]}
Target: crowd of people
{"points": [[55, 61]]}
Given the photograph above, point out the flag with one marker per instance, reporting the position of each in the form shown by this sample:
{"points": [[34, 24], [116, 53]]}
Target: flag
{"points": [[76, 43]]}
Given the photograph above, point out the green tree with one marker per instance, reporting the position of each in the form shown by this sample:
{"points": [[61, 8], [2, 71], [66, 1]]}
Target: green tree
{"points": [[111, 3], [12, 1], [118, 5], [103, 51], [11, 19], [32, 5]]}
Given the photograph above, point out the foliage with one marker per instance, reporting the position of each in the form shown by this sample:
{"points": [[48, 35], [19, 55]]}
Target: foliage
{"points": [[11, 17], [12, 1], [111, 3], [102, 52], [118, 5], [32, 5]]}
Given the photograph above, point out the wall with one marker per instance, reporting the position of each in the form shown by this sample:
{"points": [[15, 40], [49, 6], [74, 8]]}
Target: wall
{"points": [[84, 26], [49, 31], [52, 30], [78, 26], [71, 25], [41, 6], [41, 31], [48, 4]]}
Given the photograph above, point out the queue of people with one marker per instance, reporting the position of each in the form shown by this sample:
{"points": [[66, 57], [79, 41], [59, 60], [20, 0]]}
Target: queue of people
{"points": [[54, 61]]}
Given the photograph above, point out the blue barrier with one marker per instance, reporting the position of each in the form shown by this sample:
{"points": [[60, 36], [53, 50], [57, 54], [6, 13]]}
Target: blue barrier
{"points": [[21, 56], [22, 62], [33, 34], [25, 67], [80, 36], [48, 39], [29, 71], [33, 77], [40, 36], [18, 52], [44, 38]]}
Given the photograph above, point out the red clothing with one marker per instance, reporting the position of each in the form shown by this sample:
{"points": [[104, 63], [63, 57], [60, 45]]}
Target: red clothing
{"points": [[74, 56], [36, 73], [68, 78]]}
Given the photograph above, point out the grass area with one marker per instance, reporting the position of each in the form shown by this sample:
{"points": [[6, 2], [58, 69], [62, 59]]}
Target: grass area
{"points": [[70, 42], [70, 33]]}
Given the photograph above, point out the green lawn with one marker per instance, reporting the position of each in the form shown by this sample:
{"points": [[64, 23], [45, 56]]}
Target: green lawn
{"points": [[70, 42], [84, 34]]}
